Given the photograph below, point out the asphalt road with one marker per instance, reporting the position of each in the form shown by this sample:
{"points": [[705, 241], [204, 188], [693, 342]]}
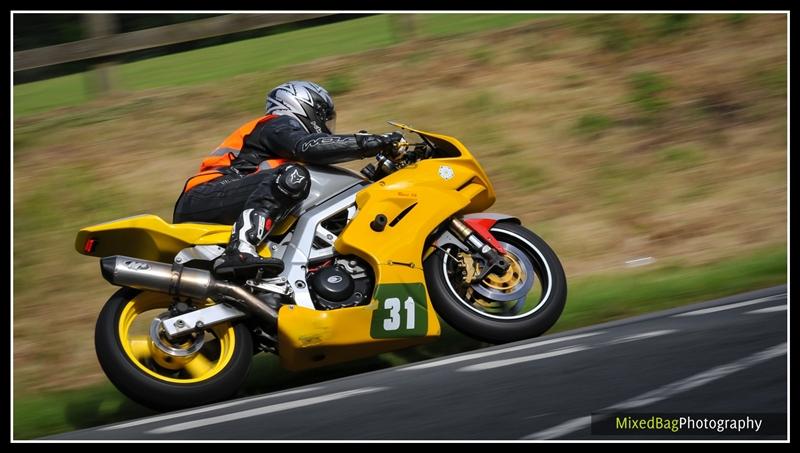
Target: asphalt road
{"points": [[722, 356]]}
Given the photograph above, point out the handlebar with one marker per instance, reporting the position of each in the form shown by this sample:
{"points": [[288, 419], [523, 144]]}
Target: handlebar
{"points": [[403, 153]]}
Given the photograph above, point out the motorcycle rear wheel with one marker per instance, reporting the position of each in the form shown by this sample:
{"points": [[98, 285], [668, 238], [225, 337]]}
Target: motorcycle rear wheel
{"points": [[202, 369], [535, 284]]}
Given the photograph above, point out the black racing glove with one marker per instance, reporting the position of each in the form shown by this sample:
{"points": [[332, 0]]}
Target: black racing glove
{"points": [[374, 144]]}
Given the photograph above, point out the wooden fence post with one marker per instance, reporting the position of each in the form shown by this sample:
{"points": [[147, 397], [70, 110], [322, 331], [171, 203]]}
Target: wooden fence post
{"points": [[101, 79], [404, 26]]}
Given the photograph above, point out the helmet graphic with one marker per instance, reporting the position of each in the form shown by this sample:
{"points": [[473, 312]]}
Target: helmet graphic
{"points": [[306, 102]]}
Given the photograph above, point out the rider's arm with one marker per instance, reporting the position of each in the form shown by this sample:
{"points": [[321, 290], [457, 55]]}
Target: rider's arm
{"points": [[286, 137]]}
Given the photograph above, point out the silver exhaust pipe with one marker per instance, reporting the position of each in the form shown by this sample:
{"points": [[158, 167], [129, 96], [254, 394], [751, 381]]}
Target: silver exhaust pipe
{"points": [[187, 282]]}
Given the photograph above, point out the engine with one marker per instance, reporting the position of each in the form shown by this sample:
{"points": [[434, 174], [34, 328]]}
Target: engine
{"points": [[341, 282]]}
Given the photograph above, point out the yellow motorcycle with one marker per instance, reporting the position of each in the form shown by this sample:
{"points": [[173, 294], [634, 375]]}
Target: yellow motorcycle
{"points": [[370, 260]]}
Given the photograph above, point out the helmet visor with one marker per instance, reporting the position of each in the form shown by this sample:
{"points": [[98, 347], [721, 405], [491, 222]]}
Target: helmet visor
{"points": [[331, 124]]}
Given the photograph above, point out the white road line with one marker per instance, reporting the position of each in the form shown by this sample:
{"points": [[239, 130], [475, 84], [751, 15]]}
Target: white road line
{"points": [[705, 311], [701, 379], [665, 392], [768, 310], [264, 410], [205, 409], [642, 336], [479, 355], [558, 352], [557, 431], [527, 358]]}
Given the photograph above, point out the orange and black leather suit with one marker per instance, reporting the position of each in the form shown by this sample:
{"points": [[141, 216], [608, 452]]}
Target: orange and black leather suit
{"points": [[246, 170]]}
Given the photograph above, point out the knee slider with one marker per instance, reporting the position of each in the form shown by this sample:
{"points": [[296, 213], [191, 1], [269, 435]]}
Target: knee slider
{"points": [[294, 182]]}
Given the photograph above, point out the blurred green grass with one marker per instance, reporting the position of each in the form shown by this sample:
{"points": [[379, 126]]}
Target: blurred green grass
{"points": [[600, 298], [254, 55], [591, 300]]}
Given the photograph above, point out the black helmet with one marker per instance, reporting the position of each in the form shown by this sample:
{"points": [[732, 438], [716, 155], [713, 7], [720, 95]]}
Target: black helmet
{"points": [[306, 102]]}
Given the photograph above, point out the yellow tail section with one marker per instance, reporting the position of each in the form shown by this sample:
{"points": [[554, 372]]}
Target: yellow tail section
{"points": [[148, 237]]}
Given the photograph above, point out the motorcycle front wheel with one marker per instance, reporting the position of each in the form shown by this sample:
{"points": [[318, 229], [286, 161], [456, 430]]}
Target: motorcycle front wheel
{"points": [[522, 303], [150, 369]]}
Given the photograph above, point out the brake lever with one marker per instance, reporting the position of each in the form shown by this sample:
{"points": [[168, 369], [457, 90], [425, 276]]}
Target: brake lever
{"points": [[410, 152]]}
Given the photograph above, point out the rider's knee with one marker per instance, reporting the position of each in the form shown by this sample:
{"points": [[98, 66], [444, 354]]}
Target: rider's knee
{"points": [[293, 182]]}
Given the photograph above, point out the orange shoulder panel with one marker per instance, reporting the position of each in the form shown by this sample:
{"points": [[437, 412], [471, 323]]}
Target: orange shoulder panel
{"points": [[236, 139]]}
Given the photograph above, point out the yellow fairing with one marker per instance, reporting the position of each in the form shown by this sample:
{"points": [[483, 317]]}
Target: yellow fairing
{"points": [[415, 201], [311, 338], [150, 237], [426, 194]]}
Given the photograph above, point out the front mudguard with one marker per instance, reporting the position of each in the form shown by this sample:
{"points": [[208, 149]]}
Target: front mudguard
{"points": [[497, 217]]}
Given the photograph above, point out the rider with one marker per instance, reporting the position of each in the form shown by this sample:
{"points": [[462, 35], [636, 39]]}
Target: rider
{"points": [[253, 178]]}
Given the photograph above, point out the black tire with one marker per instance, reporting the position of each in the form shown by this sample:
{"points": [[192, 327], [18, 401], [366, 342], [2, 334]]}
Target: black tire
{"points": [[152, 392], [453, 309]]}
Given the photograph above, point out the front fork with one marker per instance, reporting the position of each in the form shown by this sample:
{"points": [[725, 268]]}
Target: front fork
{"points": [[475, 234]]}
